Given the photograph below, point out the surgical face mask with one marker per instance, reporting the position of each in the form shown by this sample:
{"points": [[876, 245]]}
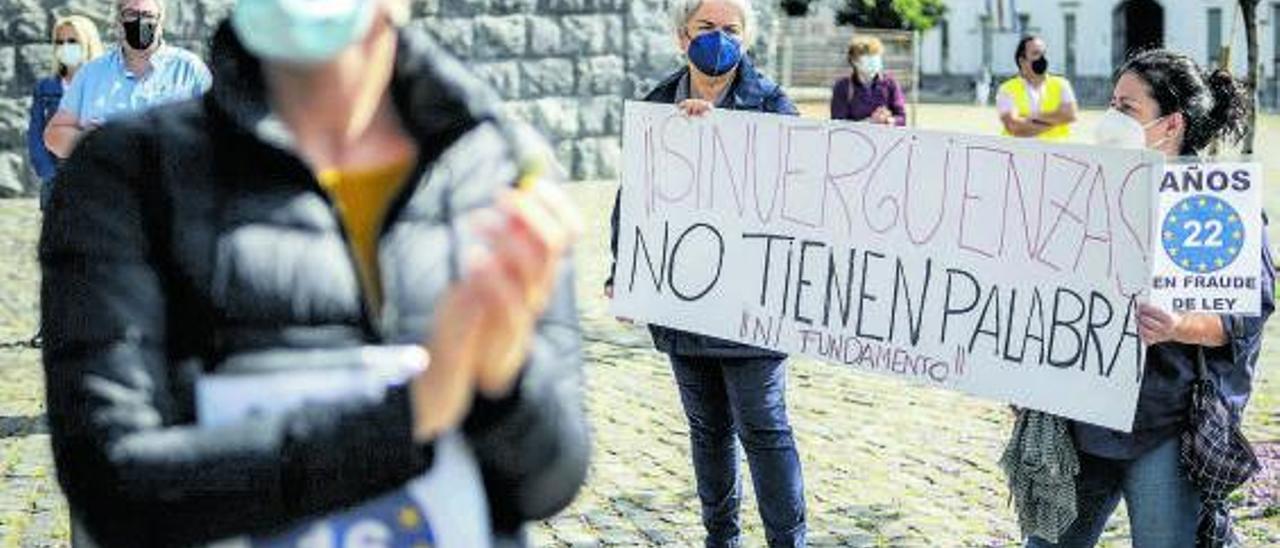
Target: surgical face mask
{"points": [[1119, 130], [141, 33], [1040, 66], [70, 55], [715, 53], [870, 65], [301, 32]]}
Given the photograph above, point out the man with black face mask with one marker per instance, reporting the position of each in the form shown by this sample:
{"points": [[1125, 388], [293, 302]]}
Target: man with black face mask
{"points": [[1035, 103], [140, 73]]}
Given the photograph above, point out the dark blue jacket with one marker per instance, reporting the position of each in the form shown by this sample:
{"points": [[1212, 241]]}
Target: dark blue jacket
{"points": [[44, 104], [1165, 396], [751, 91]]}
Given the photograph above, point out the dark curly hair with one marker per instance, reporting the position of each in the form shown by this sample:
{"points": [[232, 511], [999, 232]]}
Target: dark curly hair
{"points": [[1214, 104]]}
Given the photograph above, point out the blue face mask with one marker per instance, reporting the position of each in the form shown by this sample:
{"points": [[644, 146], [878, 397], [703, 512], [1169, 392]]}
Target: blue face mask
{"points": [[871, 65], [301, 32], [715, 53]]}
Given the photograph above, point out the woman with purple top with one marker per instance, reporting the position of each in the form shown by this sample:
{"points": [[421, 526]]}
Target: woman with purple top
{"points": [[868, 93]]}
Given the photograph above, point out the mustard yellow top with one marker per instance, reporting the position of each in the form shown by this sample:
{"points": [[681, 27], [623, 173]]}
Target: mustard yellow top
{"points": [[363, 197]]}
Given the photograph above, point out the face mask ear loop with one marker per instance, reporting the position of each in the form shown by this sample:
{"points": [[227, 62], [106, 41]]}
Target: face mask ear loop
{"points": [[1156, 145]]}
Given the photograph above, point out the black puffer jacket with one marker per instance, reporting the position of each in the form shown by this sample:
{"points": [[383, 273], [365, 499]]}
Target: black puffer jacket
{"points": [[190, 238]]}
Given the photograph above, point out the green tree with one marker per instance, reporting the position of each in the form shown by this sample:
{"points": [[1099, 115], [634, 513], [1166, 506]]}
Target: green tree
{"points": [[892, 14]]}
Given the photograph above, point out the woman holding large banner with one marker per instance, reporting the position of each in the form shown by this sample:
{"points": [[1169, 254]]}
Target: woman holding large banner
{"points": [[1163, 101], [310, 309], [728, 388]]}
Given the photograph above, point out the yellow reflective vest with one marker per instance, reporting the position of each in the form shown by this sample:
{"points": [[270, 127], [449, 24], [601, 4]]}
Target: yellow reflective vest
{"points": [[1050, 100]]}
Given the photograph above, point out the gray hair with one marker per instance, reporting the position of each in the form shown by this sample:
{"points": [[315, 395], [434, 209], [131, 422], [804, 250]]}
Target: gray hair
{"points": [[682, 11]]}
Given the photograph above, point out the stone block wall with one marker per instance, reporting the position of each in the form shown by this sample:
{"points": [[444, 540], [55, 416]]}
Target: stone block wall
{"points": [[563, 65], [26, 56]]}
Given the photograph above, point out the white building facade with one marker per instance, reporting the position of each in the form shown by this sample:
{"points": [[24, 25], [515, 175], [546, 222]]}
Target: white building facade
{"points": [[1087, 39]]}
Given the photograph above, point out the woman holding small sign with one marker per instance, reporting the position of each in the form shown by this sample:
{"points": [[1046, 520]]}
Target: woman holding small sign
{"points": [[725, 387], [1163, 101]]}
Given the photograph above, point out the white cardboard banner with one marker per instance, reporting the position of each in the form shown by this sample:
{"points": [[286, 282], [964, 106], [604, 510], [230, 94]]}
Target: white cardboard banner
{"points": [[1008, 269], [1209, 254]]}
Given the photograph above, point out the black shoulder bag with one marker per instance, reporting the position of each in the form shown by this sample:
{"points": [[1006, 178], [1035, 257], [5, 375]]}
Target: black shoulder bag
{"points": [[1216, 456]]}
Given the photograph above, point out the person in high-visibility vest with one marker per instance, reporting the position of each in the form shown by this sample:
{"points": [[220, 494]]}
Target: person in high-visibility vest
{"points": [[1035, 103]]}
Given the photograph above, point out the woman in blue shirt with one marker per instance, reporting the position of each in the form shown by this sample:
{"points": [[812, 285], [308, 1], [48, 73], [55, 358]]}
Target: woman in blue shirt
{"points": [[75, 42]]}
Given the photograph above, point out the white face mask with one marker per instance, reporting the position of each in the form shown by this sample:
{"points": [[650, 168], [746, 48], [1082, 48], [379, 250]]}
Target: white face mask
{"points": [[1119, 130], [70, 55], [301, 32], [870, 65]]}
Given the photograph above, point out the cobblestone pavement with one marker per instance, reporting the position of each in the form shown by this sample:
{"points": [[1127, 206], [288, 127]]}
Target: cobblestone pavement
{"points": [[32, 510], [885, 463]]}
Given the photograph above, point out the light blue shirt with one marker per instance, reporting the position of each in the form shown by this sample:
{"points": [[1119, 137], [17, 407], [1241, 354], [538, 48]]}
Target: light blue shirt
{"points": [[104, 88]]}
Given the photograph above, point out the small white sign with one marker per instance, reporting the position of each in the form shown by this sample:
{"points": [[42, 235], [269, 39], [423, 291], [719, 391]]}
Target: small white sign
{"points": [[445, 507], [1209, 252]]}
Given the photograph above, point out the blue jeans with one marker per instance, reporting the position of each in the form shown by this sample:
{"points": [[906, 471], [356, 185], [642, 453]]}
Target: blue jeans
{"points": [[747, 397], [1162, 502]]}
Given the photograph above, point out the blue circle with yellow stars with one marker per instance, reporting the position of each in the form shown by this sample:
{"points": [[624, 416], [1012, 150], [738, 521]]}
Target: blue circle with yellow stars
{"points": [[1202, 234]]}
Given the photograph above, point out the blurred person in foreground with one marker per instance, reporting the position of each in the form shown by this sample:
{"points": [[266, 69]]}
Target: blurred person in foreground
{"points": [[1036, 103], [729, 390], [869, 93], [75, 42], [141, 72], [314, 292]]}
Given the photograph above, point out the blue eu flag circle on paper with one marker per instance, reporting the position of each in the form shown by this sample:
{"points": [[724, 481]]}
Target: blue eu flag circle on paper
{"points": [[393, 521], [1202, 234]]}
